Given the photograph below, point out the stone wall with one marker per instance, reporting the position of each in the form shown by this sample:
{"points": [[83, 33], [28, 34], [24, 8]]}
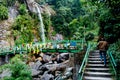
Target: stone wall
{"points": [[5, 33]]}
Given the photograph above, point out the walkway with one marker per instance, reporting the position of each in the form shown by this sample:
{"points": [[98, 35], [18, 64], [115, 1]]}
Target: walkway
{"points": [[95, 70]]}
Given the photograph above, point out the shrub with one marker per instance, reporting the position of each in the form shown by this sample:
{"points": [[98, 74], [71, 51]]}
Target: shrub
{"points": [[19, 70], [89, 36], [22, 9], [3, 12], [22, 28]]}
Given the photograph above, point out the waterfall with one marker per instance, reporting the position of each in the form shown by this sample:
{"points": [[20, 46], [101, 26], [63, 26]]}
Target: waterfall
{"points": [[6, 58], [41, 29]]}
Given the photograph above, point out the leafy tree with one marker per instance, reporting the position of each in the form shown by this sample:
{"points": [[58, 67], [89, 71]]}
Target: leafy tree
{"points": [[22, 28], [89, 36], [87, 22], [19, 70], [66, 12], [73, 27], [109, 21], [8, 2], [3, 12], [22, 9]]}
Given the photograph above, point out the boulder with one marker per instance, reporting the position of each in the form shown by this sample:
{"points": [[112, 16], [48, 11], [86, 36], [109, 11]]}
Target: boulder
{"points": [[5, 73], [35, 65], [36, 79], [35, 72], [47, 76]]}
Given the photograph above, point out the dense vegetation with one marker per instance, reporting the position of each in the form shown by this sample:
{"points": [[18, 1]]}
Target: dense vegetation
{"points": [[3, 12], [109, 21], [17, 68], [74, 19]]}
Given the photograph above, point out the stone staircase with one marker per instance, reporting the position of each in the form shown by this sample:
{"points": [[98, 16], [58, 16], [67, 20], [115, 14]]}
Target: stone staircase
{"points": [[95, 69]]}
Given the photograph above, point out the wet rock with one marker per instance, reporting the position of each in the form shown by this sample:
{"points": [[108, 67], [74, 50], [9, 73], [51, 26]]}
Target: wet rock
{"points": [[5, 73], [53, 67], [57, 73], [47, 76], [46, 58], [68, 74], [69, 69], [35, 72], [43, 68], [35, 65], [36, 79], [31, 64], [64, 55]]}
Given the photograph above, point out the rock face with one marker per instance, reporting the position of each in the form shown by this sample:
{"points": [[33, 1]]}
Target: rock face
{"points": [[44, 8], [6, 38], [5, 33], [51, 69], [5, 73]]}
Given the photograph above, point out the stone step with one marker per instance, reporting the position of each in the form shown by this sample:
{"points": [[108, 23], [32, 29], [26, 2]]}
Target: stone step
{"points": [[98, 69], [97, 74], [94, 54], [91, 56], [95, 59], [96, 66], [97, 78], [97, 62]]}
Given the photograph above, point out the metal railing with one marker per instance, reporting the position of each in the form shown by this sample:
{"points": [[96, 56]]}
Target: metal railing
{"points": [[36, 47], [113, 63], [84, 62]]}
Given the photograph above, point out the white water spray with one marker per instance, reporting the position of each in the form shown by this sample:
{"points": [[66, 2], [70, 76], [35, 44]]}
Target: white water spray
{"points": [[41, 29]]}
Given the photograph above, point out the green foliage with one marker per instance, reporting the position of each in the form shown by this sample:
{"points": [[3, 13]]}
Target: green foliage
{"points": [[47, 23], [21, 1], [22, 28], [8, 2], [66, 11], [87, 23], [19, 70], [115, 48], [22, 9], [73, 27], [109, 20], [3, 12], [89, 36]]}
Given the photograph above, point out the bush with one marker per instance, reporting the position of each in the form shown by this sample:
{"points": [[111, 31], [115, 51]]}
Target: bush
{"points": [[19, 70], [89, 36], [22, 28], [22, 9], [115, 48], [3, 12]]}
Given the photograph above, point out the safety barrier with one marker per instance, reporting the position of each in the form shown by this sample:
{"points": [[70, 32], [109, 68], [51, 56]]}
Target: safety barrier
{"points": [[82, 67], [113, 63], [72, 46]]}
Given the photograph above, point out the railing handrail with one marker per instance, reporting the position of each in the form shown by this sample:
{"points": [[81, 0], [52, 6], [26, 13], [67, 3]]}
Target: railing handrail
{"points": [[31, 46], [84, 62], [112, 60]]}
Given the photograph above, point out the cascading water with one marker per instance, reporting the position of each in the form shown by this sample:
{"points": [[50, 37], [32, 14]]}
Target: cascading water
{"points": [[41, 29]]}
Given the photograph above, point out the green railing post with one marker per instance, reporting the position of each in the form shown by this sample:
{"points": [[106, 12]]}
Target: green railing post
{"points": [[113, 63], [81, 70]]}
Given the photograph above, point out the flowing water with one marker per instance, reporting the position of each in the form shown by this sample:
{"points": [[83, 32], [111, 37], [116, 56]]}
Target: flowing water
{"points": [[41, 29]]}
